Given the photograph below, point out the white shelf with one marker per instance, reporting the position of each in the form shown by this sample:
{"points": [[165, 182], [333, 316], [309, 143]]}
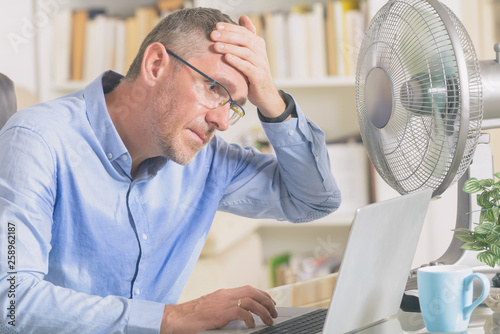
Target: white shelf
{"points": [[340, 81], [69, 86]]}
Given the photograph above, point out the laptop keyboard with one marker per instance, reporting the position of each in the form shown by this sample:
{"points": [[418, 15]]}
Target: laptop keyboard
{"points": [[308, 323]]}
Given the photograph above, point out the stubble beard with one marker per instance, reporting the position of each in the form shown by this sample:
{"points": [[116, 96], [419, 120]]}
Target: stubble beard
{"points": [[166, 131]]}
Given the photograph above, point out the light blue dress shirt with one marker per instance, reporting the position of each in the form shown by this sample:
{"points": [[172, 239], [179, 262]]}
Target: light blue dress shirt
{"points": [[100, 252]]}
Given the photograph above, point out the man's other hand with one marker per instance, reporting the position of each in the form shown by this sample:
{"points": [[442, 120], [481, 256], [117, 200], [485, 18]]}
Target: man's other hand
{"points": [[218, 309]]}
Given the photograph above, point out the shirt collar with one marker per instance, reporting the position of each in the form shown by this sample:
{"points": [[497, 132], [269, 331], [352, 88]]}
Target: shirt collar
{"points": [[99, 117]]}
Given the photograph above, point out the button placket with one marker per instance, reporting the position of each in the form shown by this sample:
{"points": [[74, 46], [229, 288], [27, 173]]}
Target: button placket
{"points": [[141, 227]]}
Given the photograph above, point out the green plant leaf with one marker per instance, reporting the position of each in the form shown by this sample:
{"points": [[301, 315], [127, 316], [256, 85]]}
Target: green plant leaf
{"points": [[473, 246], [466, 230], [484, 228], [486, 183], [483, 199], [487, 258], [490, 216], [495, 250], [497, 175], [472, 186], [495, 212], [466, 237], [487, 215], [493, 238], [495, 194]]}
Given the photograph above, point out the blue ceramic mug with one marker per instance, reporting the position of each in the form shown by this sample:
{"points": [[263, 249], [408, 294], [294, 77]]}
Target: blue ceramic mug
{"points": [[445, 295]]}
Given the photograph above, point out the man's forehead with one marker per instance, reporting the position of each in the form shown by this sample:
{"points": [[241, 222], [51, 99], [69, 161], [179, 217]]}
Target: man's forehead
{"points": [[216, 67], [233, 88]]}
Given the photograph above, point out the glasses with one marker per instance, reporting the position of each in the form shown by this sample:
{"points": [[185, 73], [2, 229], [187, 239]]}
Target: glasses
{"points": [[216, 94]]}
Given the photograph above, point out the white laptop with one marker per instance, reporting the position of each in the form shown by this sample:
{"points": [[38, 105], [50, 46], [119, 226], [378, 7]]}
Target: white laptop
{"points": [[373, 274]]}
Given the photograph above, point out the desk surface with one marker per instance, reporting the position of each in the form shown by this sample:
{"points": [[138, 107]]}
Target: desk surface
{"points": [[483, 320]]}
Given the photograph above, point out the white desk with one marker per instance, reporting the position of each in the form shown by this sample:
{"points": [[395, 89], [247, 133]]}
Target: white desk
{"points": [[483, 321]]}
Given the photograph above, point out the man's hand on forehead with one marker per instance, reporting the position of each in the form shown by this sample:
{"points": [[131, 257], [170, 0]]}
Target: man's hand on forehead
{"points": [[246, 52]]}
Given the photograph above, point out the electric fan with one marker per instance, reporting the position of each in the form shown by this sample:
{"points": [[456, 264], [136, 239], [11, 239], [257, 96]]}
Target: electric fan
{"points": [[422, 99]]}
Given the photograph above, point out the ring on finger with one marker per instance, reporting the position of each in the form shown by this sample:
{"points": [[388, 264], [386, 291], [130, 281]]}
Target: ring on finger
{"points": [[239, 302]]}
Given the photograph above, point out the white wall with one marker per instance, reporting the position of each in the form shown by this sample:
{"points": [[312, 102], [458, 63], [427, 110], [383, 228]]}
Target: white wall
{"points": [[17, 43]]}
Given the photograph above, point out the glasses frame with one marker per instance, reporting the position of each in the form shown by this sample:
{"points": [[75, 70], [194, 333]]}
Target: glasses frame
{"points": [[215, 82]]}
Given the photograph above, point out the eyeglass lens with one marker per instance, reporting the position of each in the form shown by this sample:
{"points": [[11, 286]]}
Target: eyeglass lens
{"points": [[216, 94]]}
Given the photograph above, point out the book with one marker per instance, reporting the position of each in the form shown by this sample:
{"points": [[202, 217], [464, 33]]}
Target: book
{"points": [[298, 43], [61, 61], [168, 6], [342, 7], [109, 47], [79, 28], [95, 47], [331, 39], [470, 21], [268, 35], [147, 17], [317, 40], [257, 22], [281, 45], [355, 30], [132, 41], [487, 23], [276, 47], [120, 45]]}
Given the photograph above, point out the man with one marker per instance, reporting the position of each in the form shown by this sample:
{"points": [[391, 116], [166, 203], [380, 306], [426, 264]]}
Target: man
{"points": [[110, 191]]}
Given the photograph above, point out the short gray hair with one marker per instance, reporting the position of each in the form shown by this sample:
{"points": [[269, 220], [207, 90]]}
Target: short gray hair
{"points": [[182, 32]]}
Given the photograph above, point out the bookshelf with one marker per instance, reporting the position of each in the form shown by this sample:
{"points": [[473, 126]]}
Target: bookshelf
{"points": [[328, 100]]}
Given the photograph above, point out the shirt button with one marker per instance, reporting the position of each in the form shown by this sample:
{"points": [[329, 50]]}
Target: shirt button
{"points": [[124, 157], [302, 124], [137, 291], [144, 237], [291, 132], [110, 156], [317, 158]]}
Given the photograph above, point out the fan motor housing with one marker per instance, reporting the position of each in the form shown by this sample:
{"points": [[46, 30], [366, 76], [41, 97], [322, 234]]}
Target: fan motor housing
{"points": [[378, 95]]}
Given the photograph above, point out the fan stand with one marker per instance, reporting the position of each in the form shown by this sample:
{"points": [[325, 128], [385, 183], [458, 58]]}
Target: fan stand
{"points": [[481, 167], [467, 213], [467, 209]]}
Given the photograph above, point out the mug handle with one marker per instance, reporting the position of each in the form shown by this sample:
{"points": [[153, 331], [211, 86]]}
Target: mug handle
{"points": [[468, 285]]}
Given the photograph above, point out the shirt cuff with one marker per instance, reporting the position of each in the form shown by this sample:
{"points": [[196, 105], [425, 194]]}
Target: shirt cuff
{"points": [[145, 317], [290, 110], [294, 131]]}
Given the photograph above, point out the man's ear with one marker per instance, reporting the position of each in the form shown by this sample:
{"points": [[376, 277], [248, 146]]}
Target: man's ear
{"points": [[154, 63]]}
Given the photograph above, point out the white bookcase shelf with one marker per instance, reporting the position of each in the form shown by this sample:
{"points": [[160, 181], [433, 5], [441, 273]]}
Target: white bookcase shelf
{"points": [[332, 82]]}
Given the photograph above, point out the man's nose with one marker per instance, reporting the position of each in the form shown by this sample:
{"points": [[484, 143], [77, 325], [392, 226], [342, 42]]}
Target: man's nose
{"points": [[218, 117]]}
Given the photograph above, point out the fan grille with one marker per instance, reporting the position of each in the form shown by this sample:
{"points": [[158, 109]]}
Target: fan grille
{"points": [[436, 111]]}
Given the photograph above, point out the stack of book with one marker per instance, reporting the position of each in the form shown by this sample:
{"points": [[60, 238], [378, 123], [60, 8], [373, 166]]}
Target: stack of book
{"points": [[87, 42], [312, 41]]}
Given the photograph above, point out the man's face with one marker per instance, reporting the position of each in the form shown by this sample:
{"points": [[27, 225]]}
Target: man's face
{"points": [[181, 120]]}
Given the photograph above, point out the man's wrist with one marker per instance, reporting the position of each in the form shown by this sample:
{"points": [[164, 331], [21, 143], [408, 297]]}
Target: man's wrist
{"points": [[290, 110], [165, 327]]}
